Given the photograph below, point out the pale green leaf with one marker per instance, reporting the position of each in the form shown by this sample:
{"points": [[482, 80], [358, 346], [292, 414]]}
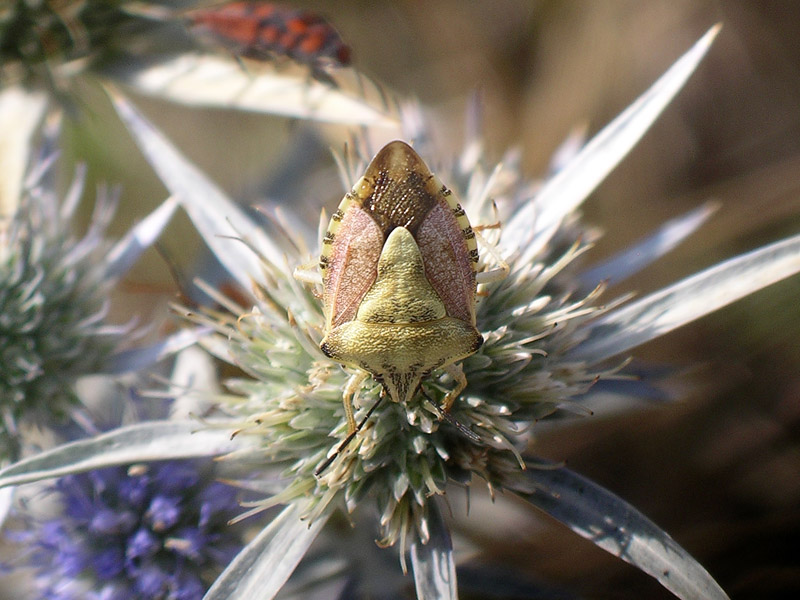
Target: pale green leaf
{"points": [[225, 226], [567, 189], [127, 251], [20, 113], [635, 258], [433, 563], [213, 80], [142, 442], [259, 571], [659, 313], [596, 514], [6, 501]]}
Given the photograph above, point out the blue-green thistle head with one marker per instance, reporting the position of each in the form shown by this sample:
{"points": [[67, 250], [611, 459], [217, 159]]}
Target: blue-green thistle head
{"points": [[54, 291]]}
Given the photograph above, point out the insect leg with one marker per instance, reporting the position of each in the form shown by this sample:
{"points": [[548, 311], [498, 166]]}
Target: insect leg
{"points": [[349, 437], [456, 372], [349, 396]]}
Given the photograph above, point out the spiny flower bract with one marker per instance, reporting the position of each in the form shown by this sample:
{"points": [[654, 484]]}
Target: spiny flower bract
{"points": [[157, 532]]}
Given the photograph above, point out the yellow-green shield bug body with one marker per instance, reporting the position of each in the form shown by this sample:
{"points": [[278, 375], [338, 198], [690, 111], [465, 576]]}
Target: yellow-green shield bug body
{"points": [[398, 273]]}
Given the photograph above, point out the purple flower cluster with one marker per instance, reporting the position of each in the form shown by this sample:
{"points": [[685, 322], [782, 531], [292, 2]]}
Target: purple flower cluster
{"points": [[154, 532]]}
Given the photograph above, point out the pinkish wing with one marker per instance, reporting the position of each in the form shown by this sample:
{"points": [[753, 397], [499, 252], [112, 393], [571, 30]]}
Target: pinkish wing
{"points": [[353, 265], [448, 267]]}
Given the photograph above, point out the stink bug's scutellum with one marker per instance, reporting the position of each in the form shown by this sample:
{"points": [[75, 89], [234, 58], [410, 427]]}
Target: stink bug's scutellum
{"points": [[398, 270]]}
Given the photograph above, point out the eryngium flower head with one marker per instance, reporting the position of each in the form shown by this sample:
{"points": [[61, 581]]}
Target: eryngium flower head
{"points": [[149, 532], [406, 453], [54, 289]]}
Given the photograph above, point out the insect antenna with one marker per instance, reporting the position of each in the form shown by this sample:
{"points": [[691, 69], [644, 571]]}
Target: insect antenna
{"points": [[446, 416], [349, 438]]}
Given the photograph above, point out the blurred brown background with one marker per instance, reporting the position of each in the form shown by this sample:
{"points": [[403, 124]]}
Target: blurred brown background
{"points": [[719, 470]]}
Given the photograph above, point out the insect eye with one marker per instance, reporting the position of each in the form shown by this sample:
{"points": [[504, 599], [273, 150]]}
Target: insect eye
{"points": [[325, 350], [479, 342]]}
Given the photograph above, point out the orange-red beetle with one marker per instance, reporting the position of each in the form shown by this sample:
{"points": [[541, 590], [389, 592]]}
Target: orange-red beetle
{"points": [[261, 30]]}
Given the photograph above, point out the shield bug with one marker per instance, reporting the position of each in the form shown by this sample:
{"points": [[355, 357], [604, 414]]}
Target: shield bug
{"points": [[261, 30], [399, 284]]}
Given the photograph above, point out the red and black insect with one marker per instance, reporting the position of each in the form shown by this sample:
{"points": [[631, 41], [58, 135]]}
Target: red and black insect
{"points": [[263, 30]]}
